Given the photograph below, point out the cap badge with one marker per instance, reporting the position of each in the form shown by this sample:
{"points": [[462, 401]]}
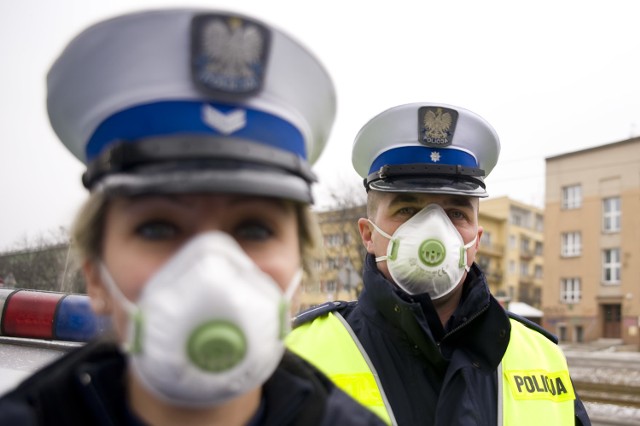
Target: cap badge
{"points": [[229, 54], [436, 126], [225, 123], [435, 156]]}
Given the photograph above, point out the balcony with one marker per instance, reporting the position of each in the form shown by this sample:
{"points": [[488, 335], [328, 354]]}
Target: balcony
{"points": [[526, 254], [491, 249]]}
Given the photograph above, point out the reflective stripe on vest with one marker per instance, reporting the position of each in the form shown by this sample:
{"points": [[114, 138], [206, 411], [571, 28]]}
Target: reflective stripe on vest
{"points": [[330, 344], [534, 389]]}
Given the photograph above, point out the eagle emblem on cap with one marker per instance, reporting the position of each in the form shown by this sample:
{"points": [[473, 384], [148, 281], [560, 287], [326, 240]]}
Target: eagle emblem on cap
{"points": [[229, 53], [436, 125]]}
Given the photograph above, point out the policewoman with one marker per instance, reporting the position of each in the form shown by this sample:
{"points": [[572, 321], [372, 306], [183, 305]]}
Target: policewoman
{"points": [[426, 343], [198, 130]]}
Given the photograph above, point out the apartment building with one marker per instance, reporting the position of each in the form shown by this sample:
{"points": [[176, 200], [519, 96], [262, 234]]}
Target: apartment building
{"points": [[490, 256], [511, 250], [592, 236], [339, 267]]}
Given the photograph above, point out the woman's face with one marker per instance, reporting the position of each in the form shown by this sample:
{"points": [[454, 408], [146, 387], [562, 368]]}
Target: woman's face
{"points": [[142, 233]]}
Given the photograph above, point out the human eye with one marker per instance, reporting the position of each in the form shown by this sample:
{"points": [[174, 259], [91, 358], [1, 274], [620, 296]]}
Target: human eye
{"points": [[253, 230], [455, 215], [157, 230], [407, 211]]}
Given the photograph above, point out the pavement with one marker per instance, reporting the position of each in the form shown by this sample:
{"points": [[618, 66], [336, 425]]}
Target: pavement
{"points": [[601, 345]]}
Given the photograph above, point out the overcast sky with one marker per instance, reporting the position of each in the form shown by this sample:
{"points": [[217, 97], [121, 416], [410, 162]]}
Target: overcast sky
{"points": [[551, 76]]}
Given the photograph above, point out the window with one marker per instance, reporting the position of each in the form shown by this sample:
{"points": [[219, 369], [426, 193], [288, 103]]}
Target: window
{"points": [[578, 334], [520, 217], [562, 333], [486, 239], [571, 244], [611, 266], [571, 197], [538, 249], [524, 244], [346, 238], [483, 262], [512, 241], [570, 290], [512, 267], [332, 240], [524, 269], [611, 214], [538, 272], [539, 223]]}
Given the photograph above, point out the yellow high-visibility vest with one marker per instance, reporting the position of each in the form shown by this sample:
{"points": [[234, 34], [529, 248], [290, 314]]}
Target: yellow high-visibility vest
{"points": [[534, 386]]}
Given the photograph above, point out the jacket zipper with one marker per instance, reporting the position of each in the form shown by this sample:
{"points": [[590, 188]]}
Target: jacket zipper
{"points": [[464, 324]]}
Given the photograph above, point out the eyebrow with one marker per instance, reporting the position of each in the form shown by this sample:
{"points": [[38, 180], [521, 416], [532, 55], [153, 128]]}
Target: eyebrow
{"points": [[457, 201], [403, 198]]}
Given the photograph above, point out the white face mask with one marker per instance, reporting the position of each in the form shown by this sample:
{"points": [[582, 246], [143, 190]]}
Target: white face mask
{"points": [[209, 324], [426, 254]]}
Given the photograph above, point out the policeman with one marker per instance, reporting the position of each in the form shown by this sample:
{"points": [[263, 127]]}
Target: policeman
{"points": [[198, 129], [426, 343]]}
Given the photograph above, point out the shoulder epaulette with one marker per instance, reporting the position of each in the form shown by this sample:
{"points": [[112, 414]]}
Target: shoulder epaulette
{"points": [[533, 326], [320, 310]]}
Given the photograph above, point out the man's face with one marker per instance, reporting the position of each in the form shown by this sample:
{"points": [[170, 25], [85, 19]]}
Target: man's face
{"points": [[394, 209]]}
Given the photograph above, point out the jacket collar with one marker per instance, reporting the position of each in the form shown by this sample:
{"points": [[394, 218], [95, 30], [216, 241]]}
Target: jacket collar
{"points": [[479, 324]]}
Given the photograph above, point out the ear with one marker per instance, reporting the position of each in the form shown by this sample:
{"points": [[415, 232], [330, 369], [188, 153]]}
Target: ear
{"points": [[98, 294], [366, 233], [480, 231]]}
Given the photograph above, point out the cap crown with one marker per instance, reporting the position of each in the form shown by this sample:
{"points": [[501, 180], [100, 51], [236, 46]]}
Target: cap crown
{"points": [[426, 147], [181, 73]]}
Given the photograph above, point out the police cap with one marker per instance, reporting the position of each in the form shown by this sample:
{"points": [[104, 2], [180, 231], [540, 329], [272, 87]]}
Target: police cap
{"points": [[186, 100], [428, 148]]}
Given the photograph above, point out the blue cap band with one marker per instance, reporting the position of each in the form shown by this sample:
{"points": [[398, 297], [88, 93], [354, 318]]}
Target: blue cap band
{"points": [[425, 155], [176, 117]]}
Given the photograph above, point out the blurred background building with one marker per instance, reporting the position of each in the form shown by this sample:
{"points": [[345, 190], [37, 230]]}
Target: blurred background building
{"points": [[592, 236]]}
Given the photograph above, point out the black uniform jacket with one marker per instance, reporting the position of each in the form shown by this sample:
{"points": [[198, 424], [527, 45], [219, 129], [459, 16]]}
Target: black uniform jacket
{"points": [[434, 375], [86, 387]]}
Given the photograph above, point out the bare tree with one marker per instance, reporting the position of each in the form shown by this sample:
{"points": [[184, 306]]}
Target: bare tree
{"points": [[42, 263]]}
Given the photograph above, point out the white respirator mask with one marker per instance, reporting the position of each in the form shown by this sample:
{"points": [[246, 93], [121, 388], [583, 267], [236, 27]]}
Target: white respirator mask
{"points": [[426, 254], [209, 324]]}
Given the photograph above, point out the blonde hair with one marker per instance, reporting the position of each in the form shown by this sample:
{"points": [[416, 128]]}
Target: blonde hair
{"points": [[87, 232]]}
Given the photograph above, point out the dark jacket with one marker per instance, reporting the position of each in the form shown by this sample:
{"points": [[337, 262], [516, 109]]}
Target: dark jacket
{"points": [[86, 387], [434, 375]]}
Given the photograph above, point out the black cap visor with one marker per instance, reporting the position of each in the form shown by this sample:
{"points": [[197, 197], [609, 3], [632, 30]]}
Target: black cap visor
{"points": [[200, 165]]}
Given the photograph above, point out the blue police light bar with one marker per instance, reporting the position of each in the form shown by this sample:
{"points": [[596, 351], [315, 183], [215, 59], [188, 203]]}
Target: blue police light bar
{"points": [[49, 316], [75, 321]]}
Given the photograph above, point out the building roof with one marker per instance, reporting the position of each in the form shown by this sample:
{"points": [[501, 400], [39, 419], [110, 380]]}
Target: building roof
{"points": [[524, 310]]}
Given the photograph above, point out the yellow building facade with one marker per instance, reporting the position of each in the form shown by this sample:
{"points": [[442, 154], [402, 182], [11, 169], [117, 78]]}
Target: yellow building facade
{"points": [[592, 279], [511, 250], [339, 266]]}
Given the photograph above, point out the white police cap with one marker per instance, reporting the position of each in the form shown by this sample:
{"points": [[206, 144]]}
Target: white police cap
{"points": [[191, 100], [428, 148]]}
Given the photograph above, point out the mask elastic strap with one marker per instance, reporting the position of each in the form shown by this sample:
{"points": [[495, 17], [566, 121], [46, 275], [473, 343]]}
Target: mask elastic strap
{"points": [[380, 231], [293, 285], [467, 247], [115, 290], [285, 303], [471, 243], [384, 234]]}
